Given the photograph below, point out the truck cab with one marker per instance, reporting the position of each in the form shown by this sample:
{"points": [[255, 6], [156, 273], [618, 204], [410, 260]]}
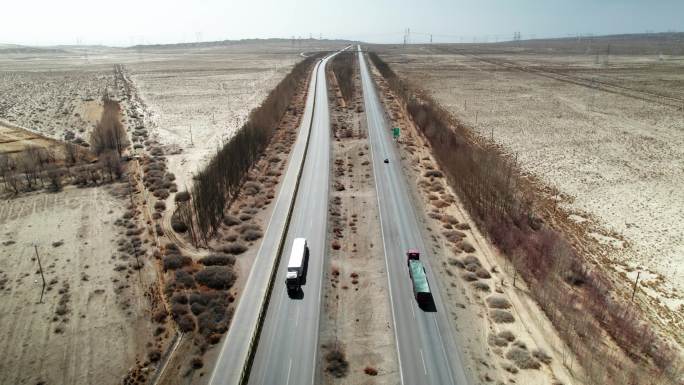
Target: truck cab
{"points": [[297, 265]]}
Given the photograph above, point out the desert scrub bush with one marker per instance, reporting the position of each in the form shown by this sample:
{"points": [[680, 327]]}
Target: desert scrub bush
{"points": [[235, 248], [466, 247], [186, 323], [433, 174], [541, 355], [498, 302], [495, 340], [371, 371], [252, 235], [178, 226], [175, 261], [160, 206], [182, 196], [482, 273], [481, 286], [501, 316], [251, 188], [216, 277], [522, 358], [336, 362], [184, 280], [218, 260], [161, 193]]}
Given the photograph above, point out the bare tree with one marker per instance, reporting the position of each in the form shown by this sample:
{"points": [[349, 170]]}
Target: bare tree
{"points": [[72, 154], [109, 133], [111, 162]]}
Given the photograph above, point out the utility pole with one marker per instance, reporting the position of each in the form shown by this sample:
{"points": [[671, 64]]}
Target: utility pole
{"points": [[191, 142], [430, 38], [40, 267]]}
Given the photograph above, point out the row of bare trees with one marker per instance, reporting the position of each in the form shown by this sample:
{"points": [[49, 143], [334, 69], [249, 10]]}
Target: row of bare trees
{"points": [[344, 67], [218, 183], [38, 167], [109, 133], [497, 196]]}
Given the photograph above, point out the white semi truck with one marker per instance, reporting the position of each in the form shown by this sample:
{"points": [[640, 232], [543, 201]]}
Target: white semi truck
{"points": [[296, 266]]}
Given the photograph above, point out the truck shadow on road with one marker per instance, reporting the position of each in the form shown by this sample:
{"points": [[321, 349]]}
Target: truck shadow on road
{"points": [[296, 294]]}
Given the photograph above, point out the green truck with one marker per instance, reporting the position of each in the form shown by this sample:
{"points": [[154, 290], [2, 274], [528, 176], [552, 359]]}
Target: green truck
{"points": [[421, 287]]}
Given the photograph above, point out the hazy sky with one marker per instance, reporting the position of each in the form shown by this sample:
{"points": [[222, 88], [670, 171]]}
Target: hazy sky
{"points": [[126, 22]]}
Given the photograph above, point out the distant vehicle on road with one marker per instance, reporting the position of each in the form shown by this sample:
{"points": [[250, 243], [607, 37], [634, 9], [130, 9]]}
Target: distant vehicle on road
{"points": [[386, 160], [421, 287], [297, 265]]}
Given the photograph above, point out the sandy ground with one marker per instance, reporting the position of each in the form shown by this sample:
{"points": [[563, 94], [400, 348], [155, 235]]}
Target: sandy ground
{"points": [[106, 325], [15, 139], [614, 158], [478, 332], [198, 101], [356, 312]]}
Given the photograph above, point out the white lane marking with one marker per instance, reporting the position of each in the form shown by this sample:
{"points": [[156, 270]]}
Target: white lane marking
{"points": [[441, 344], [297, 318], [423, 359], [377, 196], [289, 368]]}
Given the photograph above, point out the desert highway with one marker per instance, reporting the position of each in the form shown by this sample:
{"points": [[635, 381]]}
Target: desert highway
{"points": [[287, 349], [425, 345], [310, 213]]}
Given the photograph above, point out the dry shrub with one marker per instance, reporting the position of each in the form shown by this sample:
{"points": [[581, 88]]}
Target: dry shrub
{"points": [[252, 235], [160, 316], [481, 286], [501, 316], [178, 226], [234, 248], [454, 236], [184, 279], [154, 355], [160, 206], [450, 219], [371, 371], [495, 340], [216, 277], [456, 262], [541, 355], [507, 334], [522, 358], [336, 362], [498, 302], [161, 193], [433, 174], [231, 220], [182, 196], [466, 247], [197, 363], [175, 261], [218, 260], [482, 273], [186, 323], [469, 276]]}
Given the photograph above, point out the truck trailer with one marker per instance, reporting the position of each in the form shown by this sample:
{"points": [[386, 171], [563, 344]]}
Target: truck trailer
{"points": [[297, 265], [421, 287]]}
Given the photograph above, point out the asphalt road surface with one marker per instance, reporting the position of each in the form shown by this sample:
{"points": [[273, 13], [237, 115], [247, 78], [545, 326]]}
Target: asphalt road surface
{"points": [[425, 344], [287, 350], [236, 346]]}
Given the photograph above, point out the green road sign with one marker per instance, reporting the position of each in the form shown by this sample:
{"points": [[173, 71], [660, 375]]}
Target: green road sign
{"points": [[395, 132]]}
